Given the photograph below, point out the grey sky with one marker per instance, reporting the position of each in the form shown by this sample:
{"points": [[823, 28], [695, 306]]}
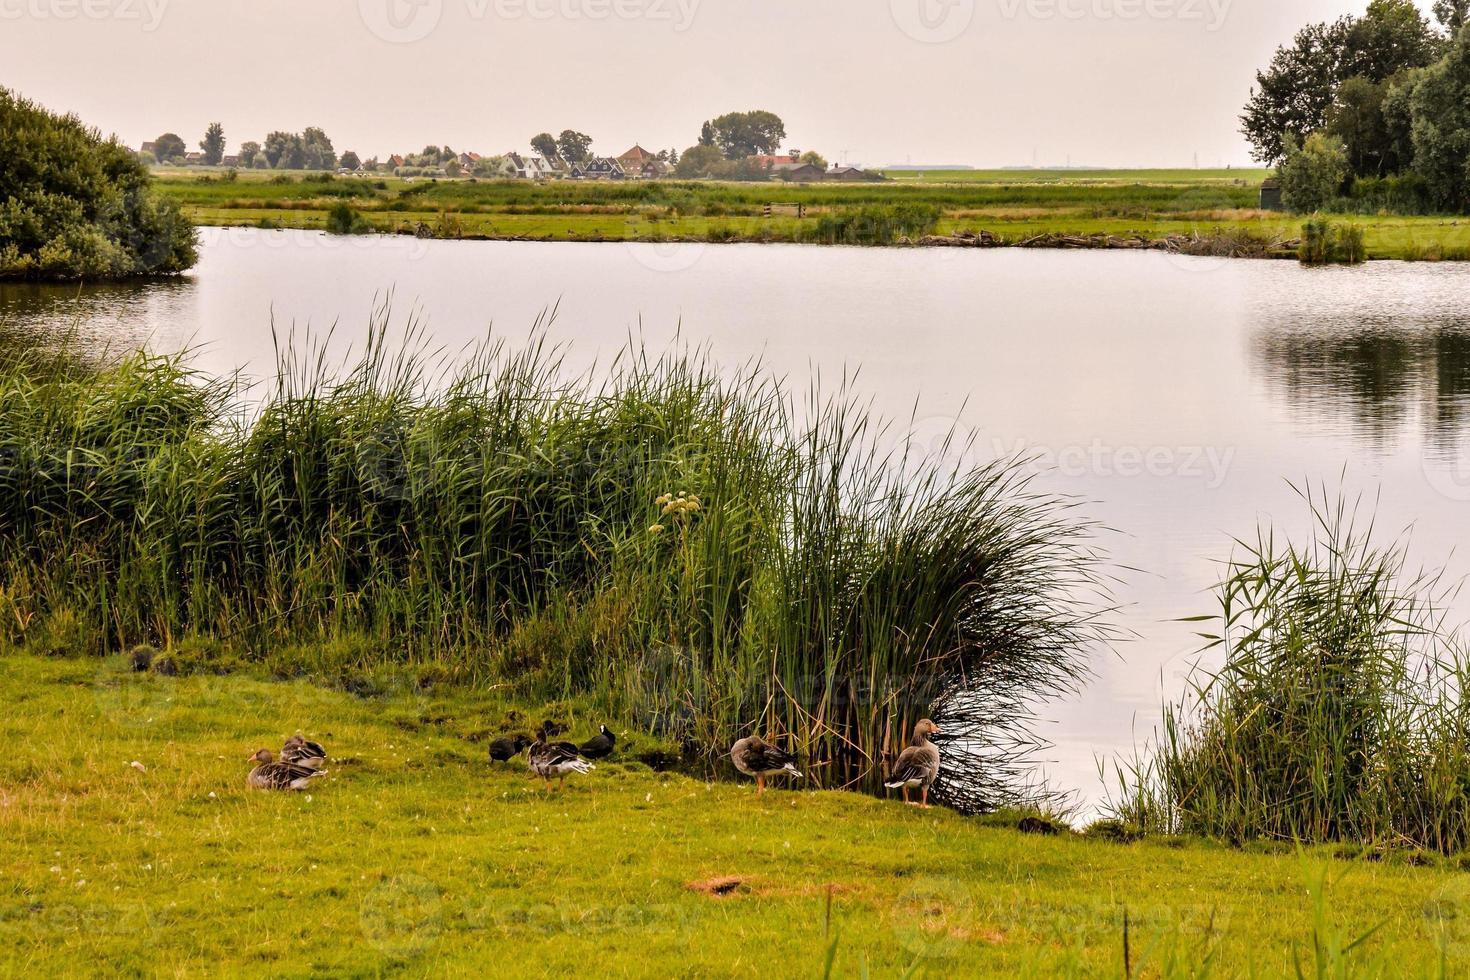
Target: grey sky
{"points": [[986, 82]]}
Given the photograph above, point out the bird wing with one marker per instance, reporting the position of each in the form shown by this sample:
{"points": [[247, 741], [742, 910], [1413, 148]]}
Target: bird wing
{"points": [[912, 764]]}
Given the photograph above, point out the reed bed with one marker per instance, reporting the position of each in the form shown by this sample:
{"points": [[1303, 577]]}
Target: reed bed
{"points": [[1339, 713], [705, 554]]}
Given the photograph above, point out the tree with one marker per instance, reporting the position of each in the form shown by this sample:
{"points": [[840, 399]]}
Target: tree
{"points": [[545, 145], [744, 134], [285, 151], [1441, 126], [213, 144], [574, 147], [815, 159], [1453, 14], [1297, 92], [1398, 119], [168, 146], [1391, 37], [248, 152], [452, 168], [317, 150], [495, 167], [1312, 173], [1356, 120], [707, 134], [78, 206], [350, 160], [698, 161]]}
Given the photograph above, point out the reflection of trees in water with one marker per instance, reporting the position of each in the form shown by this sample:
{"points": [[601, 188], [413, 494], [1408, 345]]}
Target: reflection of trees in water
{"points": [[104, 320], [1373, 379]]}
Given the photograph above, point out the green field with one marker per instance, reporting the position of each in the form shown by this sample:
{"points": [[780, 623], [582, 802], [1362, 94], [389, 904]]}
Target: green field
{"points": [[1016, 207], [415, 856]]}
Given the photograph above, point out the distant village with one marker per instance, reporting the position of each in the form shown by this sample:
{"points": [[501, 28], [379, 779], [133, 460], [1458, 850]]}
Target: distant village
{"points": [[737, 146]]}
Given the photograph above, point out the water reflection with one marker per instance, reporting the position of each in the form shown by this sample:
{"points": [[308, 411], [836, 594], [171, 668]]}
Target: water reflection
{"points": [[1376, 382], [106, 320]]}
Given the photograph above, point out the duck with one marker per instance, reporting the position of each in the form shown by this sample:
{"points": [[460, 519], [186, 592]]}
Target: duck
{"points": [[507, 748], [559, 759], [300, 752], [270, 774], [918, 765], [754, 756], [601, 745]]}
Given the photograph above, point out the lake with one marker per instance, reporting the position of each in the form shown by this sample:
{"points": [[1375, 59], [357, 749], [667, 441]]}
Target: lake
{"points": [[1180, 396]]}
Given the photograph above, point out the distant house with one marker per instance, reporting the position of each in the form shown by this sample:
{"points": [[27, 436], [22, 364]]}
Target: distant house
{"points": [[151, 149], [790, 159], [1271, 195], [194, 159], [528, 166], [801, 173], [468, 160], [653, 169], [848, 174], [599, 168], [634, 160], [229, 161], [395, 161]]}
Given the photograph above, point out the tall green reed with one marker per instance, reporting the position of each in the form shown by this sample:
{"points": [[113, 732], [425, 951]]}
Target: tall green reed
{"points": [[511, 521], [1339, 711]]}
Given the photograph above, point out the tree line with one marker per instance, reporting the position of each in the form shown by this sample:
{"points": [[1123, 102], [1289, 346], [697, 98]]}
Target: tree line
{"points": [[1372, 109]]}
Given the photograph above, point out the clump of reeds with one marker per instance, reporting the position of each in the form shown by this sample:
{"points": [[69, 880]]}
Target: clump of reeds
{"points": [[1338, 714], [1327, 243], [695, 549]]}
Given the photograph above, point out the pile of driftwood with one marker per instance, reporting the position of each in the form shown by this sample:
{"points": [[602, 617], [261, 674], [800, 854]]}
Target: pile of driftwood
{"points": [[1224, 244]]}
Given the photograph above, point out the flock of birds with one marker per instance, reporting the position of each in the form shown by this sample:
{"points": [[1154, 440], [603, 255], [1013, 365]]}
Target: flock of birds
{"points": [[301, 760]]}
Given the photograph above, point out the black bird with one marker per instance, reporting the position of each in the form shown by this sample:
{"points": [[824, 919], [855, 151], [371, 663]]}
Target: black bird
{"points": [[507, 748], [601, 745]]}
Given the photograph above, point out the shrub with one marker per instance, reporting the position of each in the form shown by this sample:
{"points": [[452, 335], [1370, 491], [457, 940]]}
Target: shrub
{"points": [[76, 206], [876, 224], [1312, 174], [1325, 243], [343, 220]]}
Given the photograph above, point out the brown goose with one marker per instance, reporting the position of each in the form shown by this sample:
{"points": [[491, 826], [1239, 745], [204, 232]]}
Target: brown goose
{"points": [[918, 765], [270, 774], [300, 752], [756, 757], [558, 759]]}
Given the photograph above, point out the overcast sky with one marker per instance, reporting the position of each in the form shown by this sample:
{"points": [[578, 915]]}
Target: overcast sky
{"points": [[983, 82]]}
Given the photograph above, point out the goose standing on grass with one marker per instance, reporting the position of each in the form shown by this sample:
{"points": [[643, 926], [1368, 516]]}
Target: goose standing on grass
{"points": [[918, 765], [756, 757], [270, 774], [507, 748], [556, 759], [601, 745], [300, 752]]}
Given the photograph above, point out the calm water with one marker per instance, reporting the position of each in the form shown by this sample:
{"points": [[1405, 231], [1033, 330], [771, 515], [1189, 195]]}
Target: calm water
{"points": [[1181, 395]]}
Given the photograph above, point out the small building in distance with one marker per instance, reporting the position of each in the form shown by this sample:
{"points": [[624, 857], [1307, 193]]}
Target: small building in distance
{"points": [[850, 174], [634, 160], [790, 158], [1271, 195], [599, 168], [801, 173]]}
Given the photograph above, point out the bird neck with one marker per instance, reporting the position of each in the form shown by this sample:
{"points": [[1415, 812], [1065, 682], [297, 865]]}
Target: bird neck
{"points": [[920, 739]]}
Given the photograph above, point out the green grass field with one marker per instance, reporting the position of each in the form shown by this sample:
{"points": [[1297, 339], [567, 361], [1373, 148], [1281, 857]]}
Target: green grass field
{"points": [[415, 856], [1012, 205]]}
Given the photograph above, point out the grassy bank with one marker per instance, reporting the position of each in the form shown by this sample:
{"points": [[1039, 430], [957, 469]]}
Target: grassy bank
{"points": [[1012, 207], [415, 856]]}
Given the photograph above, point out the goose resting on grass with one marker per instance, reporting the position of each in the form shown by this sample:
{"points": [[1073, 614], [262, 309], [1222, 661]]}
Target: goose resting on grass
{"points": [[756, 757], [601, 745], [556, 759], [300, 752], [270, 774], [918, 765]]}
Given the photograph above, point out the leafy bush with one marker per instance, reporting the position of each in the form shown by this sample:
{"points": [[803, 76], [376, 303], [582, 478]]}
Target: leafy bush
{"points": [[1325, 243], [343, 220], [77, 206], [1313, 173]]}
